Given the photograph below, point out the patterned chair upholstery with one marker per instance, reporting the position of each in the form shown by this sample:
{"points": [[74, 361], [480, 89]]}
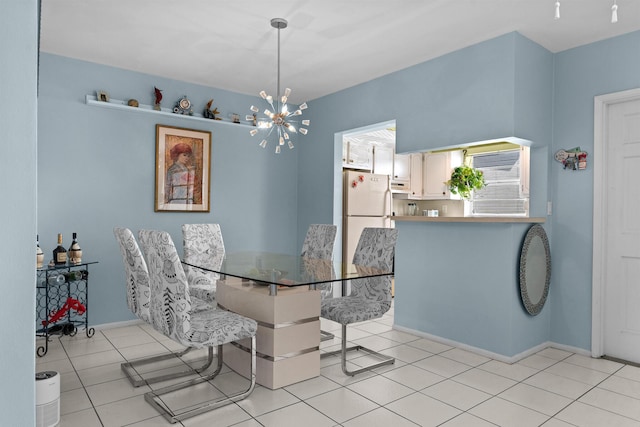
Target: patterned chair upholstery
{"points": [[136, 273], [318, 244], [138, 301], [369, 298], [171, 314], [203, 245], [319, 241]]}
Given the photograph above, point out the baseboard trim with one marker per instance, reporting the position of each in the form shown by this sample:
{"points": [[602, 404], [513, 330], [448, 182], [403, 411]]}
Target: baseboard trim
{"points": [[500, 357]]}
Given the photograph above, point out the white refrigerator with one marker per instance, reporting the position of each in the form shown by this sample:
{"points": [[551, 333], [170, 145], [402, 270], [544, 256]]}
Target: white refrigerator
{"points": [[366, 203]]}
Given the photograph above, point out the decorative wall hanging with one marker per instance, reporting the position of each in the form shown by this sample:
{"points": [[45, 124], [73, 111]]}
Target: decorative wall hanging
{"points": [[183, 169], [573, 159]]}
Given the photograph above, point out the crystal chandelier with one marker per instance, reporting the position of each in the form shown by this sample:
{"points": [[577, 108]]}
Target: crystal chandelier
{"points": [[278, 120]]}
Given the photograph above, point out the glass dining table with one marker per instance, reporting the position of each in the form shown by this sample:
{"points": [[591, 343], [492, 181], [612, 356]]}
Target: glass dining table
{"points": [[281, 271], [282, 293]]}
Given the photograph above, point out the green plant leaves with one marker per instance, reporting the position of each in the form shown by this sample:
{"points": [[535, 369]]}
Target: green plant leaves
{"points": [[465, 179]]}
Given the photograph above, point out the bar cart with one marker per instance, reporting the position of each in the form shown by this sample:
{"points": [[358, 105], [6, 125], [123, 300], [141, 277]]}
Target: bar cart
{"points": [[62, 296]]}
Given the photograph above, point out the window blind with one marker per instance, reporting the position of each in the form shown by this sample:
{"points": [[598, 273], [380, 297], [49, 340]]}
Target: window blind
{"points": [[502, 195]]}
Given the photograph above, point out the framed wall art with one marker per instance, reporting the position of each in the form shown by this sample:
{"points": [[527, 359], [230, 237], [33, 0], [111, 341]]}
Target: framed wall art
{"points": [[183, 169]]}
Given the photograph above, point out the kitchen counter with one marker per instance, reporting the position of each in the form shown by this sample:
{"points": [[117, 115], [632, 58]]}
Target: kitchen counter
{"points": [[485, 219]]}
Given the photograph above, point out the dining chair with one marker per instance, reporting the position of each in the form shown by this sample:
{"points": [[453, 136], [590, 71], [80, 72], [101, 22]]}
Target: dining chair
{"points": [[171, 315], [138, 301], [369, 298], [318, 244], [203, 246]]}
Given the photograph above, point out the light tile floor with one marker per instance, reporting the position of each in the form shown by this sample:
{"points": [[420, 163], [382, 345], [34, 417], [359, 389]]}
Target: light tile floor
{"points": [[431, 384]]}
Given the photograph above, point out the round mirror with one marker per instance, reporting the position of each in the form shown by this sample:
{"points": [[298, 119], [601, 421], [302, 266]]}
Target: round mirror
{"points": [[535, 269]]}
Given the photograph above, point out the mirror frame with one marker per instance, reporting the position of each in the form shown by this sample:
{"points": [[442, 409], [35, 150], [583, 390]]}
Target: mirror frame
{"points": [[532, 307]]}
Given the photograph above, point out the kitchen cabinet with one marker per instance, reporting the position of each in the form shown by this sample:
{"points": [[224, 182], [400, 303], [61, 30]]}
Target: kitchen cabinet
{"points": [[383, 160], [415, 181], [401, 168], [436, 171], [400, 180], [357, 155]]}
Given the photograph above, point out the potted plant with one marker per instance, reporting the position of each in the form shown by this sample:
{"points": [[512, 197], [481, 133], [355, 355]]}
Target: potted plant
{"points": [[465, 179]]}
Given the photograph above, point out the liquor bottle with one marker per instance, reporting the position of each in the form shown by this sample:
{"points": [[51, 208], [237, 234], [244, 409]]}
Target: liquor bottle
{"points": [[39, 253], [75, 253], [59, 253]]}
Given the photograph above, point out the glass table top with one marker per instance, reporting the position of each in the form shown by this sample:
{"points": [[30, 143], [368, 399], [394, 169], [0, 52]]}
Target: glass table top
{"points": [[269, 268]]}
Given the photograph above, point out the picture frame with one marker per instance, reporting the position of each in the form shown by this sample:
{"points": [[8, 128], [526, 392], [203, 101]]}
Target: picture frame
{"points": [[183, 169]]}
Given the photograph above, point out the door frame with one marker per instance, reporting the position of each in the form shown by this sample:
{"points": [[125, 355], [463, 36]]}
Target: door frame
{"points": [[602, 104]]}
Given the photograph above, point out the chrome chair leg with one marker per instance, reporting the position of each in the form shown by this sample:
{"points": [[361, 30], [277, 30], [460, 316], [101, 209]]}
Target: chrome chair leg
{"points": [[137, 379], [326, 336], [384, 359], [155, 398]]}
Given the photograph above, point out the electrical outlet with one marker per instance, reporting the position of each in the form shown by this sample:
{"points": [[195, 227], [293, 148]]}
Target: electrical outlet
{"points": [[444, 209], [549, 207]]}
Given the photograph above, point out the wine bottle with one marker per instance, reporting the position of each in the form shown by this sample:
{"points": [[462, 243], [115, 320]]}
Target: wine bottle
{"points": [[39, 253], [59, 253], [58, 279], [75, 253]]}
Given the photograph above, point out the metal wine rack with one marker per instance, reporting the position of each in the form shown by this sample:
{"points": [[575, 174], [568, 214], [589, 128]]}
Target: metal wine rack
{"points": [[62, 302]]}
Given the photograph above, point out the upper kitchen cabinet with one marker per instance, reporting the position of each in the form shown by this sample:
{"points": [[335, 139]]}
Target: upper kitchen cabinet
{"points": [[383, 159], [436, 171], [357, 155], [415, 182], [401, 168]]}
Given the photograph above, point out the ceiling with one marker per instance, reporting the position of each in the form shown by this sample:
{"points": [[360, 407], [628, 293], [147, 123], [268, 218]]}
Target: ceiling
{"points": [[328, 46]]}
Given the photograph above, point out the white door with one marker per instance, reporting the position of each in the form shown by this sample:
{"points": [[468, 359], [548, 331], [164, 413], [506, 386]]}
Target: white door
{"points": [[621, 319]]}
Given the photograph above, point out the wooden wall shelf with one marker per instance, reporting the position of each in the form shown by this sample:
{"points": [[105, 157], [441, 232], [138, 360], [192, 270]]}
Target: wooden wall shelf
{"points": [[144, 108]]}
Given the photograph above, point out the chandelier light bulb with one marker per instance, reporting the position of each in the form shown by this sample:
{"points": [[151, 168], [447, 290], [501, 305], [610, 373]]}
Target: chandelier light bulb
{"points": [[303, 131], [277, 149], [263, 143], [290, 145], [557, 15], [614, 12], [281, 141], [254, 108], [303, 106], [253, 132], [263, 94], [306, 122]]}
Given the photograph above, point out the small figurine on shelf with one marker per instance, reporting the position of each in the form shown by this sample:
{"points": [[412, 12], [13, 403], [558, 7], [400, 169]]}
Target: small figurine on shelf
{"points": [[183, 106], [208, 113], [158, 93]]}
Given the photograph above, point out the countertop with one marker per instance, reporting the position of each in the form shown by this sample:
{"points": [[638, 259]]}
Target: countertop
{"points": [[486, 219]]}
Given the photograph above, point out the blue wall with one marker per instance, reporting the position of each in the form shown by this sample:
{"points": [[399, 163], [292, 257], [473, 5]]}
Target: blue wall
{"points": [[18, 74], [96, 171], [499, 88], [608, 66]]}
